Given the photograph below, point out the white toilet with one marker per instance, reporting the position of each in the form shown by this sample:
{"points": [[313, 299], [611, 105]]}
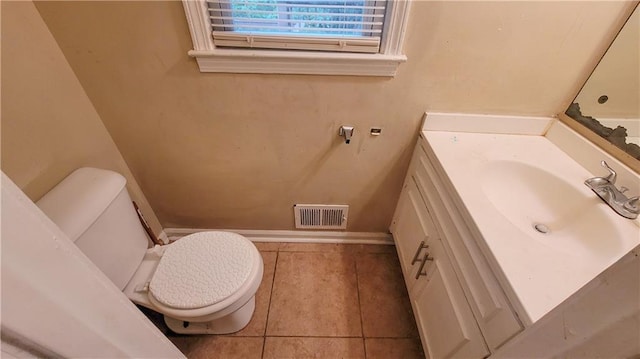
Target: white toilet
{"points": [[204, 283]]}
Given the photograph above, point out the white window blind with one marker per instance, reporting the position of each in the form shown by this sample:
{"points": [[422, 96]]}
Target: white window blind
{"points": [[322, 25]]}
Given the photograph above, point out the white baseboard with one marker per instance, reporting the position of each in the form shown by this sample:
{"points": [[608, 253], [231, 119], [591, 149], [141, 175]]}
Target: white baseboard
{"points": [[294, 236]]}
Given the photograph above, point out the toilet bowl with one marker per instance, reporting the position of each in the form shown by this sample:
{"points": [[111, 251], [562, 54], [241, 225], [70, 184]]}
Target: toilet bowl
{"points": [[203, 283]]}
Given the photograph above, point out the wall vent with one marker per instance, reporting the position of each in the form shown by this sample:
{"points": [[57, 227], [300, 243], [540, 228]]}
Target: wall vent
{"points": [[321, 216]]}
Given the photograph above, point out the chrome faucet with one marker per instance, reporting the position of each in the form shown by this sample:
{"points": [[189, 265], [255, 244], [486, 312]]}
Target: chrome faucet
{"points": [[605, 188]]}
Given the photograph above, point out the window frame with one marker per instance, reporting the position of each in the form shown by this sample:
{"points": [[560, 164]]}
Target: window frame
{"points": [[211, 58]]}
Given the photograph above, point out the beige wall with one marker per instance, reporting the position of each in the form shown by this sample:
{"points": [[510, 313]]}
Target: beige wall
{"points": [[49, 126], [237, 151], [617, 76]]}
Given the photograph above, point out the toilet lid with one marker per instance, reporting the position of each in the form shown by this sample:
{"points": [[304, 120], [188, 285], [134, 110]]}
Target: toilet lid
{"points": [[202, 269]]}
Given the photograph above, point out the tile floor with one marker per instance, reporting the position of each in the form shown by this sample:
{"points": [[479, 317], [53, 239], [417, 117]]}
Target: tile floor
{"points": [[321, 301]]}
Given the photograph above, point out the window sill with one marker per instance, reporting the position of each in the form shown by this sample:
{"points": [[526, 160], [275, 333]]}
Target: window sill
{"points": [[297, 62]]}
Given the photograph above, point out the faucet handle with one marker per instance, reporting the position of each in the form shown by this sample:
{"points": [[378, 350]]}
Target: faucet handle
{"points": [[632, 204], [612, 174], [346, 132]]}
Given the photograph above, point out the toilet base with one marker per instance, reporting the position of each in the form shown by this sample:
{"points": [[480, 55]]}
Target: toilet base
{"points": [[226, 325]]}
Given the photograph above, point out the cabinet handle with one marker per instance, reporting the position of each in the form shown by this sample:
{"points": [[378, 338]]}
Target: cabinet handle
{"points": [[424, 261], [420, 247]]}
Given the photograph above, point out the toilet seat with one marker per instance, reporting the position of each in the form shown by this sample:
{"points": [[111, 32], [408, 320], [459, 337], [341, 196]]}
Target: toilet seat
{"points": [[205, 275], [202, 269]]}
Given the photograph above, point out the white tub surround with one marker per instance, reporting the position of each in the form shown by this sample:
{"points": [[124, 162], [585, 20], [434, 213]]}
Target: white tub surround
{"points": [[514, 237]]}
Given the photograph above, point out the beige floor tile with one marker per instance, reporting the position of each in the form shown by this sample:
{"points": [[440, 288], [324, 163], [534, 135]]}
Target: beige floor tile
{"points": [[314, 294], [184, 342], [393, 348], [267, 246], [317, 295], [317, 348], [311, 247], [372, 248], [224, 347], [335, 247], [258, 323], [384, 302]]}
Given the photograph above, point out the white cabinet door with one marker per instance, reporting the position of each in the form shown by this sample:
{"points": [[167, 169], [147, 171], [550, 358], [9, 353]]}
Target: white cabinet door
{"points": [[493, 311], [412, 228], [447, 325]]}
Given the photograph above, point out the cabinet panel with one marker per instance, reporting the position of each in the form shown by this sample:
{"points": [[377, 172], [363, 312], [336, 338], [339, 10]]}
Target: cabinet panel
{"points": [[411, 225], [445, 319], [493, 312]]}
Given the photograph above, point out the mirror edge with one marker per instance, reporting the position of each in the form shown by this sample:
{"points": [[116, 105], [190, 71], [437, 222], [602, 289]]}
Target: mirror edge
{"points": [[605, 145], [585, 132], [599, 54]]}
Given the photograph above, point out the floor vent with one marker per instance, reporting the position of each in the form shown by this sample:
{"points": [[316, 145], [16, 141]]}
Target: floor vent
{"points": [[321, 216]]}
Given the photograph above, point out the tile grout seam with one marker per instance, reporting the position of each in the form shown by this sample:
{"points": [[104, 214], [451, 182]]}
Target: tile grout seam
{"points": [[318, 336], [273, 285], [355, 267]]}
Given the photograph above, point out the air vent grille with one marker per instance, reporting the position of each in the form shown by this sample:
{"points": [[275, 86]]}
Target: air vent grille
{"points": [[321, 216]]}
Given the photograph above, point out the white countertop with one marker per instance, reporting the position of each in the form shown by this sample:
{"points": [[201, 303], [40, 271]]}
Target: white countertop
{"points": [[538, 271]]}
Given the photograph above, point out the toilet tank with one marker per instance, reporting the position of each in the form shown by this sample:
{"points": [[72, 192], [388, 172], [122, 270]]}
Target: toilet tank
{"points": [[93, 208]]}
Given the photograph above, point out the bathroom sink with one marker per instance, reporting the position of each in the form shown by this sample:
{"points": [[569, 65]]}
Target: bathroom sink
{"points": [[542, 230], [550, 210]]}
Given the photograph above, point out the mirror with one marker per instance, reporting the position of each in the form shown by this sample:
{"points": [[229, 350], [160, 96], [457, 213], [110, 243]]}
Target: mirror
{"points": [[609, 102]]}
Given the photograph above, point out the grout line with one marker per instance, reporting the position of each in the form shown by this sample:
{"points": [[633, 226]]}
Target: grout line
{"points": [[355, 266], [364, 347], [318, 336], [273, 285], [405, 337], [313, 336]]}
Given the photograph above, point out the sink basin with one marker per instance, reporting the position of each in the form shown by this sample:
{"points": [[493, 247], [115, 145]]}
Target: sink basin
{"points": [[546, 208]]}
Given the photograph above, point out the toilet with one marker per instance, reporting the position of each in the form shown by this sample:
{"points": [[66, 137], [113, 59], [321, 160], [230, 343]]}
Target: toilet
{"points": [[203, 283]]}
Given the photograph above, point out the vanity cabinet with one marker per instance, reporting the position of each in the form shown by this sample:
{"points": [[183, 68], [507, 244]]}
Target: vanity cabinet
{"points": [[445, 319], [443, 316], [414, 225], [460, 308]]}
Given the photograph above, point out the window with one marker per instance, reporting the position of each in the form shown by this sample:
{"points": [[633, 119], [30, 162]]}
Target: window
{"points": [[336, 37], [344, 26]]}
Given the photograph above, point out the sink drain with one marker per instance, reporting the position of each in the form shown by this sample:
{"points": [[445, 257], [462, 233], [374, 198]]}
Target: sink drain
{"points": [[541, 228]]}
